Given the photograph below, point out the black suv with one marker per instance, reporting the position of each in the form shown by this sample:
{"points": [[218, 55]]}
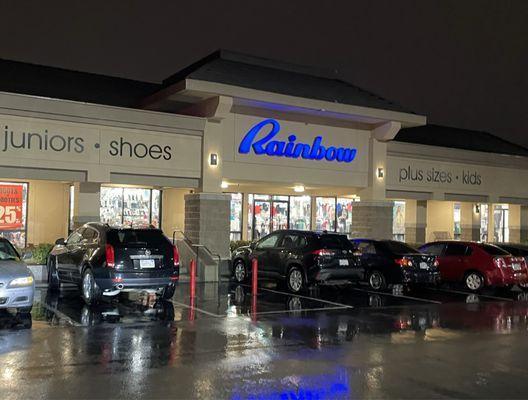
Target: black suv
{"points": [[300, 257], [104, 261], [389, 262]]}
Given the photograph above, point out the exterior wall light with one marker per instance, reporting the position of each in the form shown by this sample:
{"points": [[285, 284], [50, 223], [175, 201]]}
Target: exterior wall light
{"points": [[213, 160], [380, 172], [477, 209], [298, 188], [224, 185]]}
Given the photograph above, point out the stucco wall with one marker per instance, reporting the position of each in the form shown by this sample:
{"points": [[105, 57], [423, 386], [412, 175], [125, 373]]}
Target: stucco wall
{"points": [[440, 220]]}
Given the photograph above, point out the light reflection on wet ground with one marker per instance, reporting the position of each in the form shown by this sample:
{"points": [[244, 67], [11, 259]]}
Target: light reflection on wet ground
{"points": [[347, 342]]}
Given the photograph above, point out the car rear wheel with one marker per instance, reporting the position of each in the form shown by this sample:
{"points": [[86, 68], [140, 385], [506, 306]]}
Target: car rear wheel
{"points": [[53, 275], [474, 281], [295, 280], [168, 292], [91, 293], [377, 281], [239, 270]]}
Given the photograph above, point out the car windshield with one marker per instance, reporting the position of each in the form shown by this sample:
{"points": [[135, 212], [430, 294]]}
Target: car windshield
{"points": [[151, 237], [493, 250], [399, 247], [335, 242], [7, 251]]}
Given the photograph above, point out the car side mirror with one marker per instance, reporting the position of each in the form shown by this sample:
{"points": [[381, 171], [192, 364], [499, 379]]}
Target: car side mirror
{"points": [[60, 242]]}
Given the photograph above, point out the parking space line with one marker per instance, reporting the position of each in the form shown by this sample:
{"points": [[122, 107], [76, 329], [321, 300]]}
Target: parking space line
{"points": [[308, 298], [301, 310], [197, 309], [61, 315], [467, 293], [398, 296]]}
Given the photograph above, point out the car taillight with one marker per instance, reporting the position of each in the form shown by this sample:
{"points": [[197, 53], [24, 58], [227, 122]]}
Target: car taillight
{"points": [[436, 263], [404, 262], [500, 262], [323, 252], [176, 256], [110, 256]]}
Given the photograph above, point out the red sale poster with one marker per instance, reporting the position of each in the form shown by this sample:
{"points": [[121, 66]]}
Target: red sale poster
{"points": [[11, 199]]}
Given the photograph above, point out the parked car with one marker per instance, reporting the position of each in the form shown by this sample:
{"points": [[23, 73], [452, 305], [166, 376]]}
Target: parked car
{"points": [[477, 265], [17, 286], [389, 262], [515, 249], [301, 258], [105, 261]]}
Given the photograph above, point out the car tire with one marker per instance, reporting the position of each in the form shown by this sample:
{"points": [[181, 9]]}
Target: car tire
{"points": [[240, 271], [168, 292], [376, 280], [53, 275], [90, 292], [295, 280], [473, 281]]}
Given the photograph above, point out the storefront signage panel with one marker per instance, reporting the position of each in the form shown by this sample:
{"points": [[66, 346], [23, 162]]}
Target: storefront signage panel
{"points": [[11, 206], [272, 142], [39, 142], [262, 139], [420, 175]]}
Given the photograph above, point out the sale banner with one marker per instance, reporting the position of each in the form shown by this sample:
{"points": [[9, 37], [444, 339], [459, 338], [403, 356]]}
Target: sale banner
{"points": [[11, 200]]}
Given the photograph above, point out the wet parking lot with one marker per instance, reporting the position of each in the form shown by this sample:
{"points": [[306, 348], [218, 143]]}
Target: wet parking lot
{"points": [[334, 342]]}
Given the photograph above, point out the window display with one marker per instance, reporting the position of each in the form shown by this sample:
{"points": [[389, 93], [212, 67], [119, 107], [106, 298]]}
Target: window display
{"points": [[344, 215], [398, 221], [300, 212], [71, 222], [484, 216], [235, 219], [261, 218], [130, 206], [501, 233], [280, 212], [250, 217], [457, 220], [13, 212], [325, 216]]}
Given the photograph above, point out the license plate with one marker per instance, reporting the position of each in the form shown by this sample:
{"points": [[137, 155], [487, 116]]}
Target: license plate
{"points": [[147, 264], [424, 265], [343, 263], [516, 266]]}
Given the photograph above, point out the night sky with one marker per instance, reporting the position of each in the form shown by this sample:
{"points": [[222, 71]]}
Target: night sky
{"points": [[461, 63]]}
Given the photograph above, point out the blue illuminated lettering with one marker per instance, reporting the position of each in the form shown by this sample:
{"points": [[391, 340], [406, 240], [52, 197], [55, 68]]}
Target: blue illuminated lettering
{"points": [[275, 148]]}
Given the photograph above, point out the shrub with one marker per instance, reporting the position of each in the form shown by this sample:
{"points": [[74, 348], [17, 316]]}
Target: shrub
{"points": [[37, 254], [239, 243]]}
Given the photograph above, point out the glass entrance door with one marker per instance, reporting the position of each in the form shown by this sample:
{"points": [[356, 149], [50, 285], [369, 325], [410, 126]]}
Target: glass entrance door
{"points": [[261, 218]]}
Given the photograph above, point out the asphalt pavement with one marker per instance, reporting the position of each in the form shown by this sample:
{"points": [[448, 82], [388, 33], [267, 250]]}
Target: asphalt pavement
{"points": [[334, 342]]}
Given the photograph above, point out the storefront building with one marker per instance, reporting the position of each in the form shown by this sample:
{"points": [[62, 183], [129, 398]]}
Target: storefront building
{"points": [[235, 147]]}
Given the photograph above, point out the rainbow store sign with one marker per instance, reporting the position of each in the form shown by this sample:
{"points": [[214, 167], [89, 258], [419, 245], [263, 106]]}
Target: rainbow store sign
{"points": [[291, 149]]}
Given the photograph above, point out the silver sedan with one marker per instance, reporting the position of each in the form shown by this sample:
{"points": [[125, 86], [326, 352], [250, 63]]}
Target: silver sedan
{"points": [[17, 286]]}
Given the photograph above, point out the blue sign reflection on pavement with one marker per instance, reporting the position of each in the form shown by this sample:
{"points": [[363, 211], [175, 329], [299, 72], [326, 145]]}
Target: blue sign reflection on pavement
{"points": [[315, 387]]}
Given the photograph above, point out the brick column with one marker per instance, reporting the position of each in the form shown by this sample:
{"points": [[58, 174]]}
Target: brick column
{"points": [[469, 222], [207, 223], [88, 203], [415, 221], [372, 219]]}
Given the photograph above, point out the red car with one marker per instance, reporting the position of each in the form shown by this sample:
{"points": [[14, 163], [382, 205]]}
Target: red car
{"points": [[477, 264]]}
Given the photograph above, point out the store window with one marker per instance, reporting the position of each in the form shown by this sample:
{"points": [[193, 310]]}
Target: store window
{"points": [[300, 212], [280, 212], [325, 213], [261, 215], [130, 206], [501, 232], [484, 219], [235, 219], [13, 212], [71, 210], [457, 228], [398, 221], [344, 215]]}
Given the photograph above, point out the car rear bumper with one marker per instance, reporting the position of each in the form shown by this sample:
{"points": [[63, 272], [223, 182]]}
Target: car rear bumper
{"points": [[507, 278], [123, 281], [334, 274], [17, 297], [421, 277]]}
